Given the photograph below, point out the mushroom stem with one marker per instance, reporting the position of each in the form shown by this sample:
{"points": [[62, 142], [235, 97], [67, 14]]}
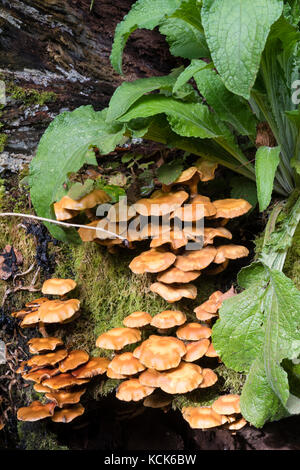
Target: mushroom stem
{"points": [[42, 330]]}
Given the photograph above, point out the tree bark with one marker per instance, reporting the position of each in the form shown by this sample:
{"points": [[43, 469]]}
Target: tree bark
{"points": [[61, 46]]}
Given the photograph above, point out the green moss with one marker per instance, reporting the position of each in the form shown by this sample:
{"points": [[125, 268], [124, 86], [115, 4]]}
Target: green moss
{"points": [[292, 263], [3, 140], [29, 96], [36, 436]]}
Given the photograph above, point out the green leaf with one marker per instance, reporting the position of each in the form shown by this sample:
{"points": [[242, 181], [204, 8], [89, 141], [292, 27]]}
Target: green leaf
{"points": [[230, 108], [243, 188], [194, 67], [186, 119], [256, 330], [129, 92], [184, 32], [78, 190], [236, 32], [64, 149], [266, 163], [169, 172], [143, 14]]}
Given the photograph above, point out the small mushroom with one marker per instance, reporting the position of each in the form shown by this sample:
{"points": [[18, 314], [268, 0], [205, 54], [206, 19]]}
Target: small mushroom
{"points": [[209, 378], [41, 345], [68, 414], [133, 390], [202, 417], [58, 311], [227, 404], [185, 378], [58, 286], [137, 319], [117, 338], [49, 359], [163, 204], [65, 397], [149, 378], [196, 350], [225, 252], [174, 293], [95, 366], [175, 275], [36, 411], [193, 332], [152, 261], [230, 208], [196, 260], [161, 352], [75, 358], [168, 319], [63, 381], [126, 364]]}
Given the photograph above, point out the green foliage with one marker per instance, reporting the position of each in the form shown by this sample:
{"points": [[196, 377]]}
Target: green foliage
{"points": [[169, 172], [236, 32], [242, 188], [36, 436], [63, 149], [266, 163]]}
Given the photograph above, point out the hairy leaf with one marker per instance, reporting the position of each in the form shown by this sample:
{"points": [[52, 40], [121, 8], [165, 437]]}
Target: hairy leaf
{"points": [[64, 149], [266, 163], [194, 67], [257, 330], [143, 14], [236, 32], [169, 172], [243, 188]]}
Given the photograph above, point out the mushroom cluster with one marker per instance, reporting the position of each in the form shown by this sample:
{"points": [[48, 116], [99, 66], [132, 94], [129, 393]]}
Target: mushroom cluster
{"points": [[43, 311], [225, 411], [61, 375], [171, 219], [167, 361]]}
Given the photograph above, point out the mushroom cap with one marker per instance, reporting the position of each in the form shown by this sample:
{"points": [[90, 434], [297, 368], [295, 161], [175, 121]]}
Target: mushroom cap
{"points": [[126, 364], [58, 286], [162, 204], [174, 293], [185, 378], [63, 381], [186, 175], [75, 358], [113, 375], [66, 415], [196, 260], [117, 338], [199, 207], [168, 319], [203, 315], [133, 390], [40, 375], [202, 417], [209, 378], [49, 359], [227, 404], [36, 411], [65, 398], [40, 388], [211, 352], [196, 350], [120, 212], [152, 261], [31, 319], [98, 196], [137, 319], [57, 311], [206, 169], [95, 366], [61, 213], [230, 208], [36, 302], [86, 234], [210, 233], [193, 332], [38, 345], [161, 352], [157, 400], [236, 425], [149, 378], [20, 314], [225, 252], [218, 269], [176, 238], [174, 274]]}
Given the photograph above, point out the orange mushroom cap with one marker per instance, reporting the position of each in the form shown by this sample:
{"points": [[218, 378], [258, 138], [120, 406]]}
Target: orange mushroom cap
{"points": [[196, 350], [137, 319], [133, 390], [40, 375], [63, 381], [174, 293], [193, 332], [209, 378], [163, 204], [202, 417], [126, 364], [196, 260], [37, 345], [161, 352], [49, 359], [225, 252], [227, 404], [230, 208], [58, 311], [185, 378], [75, 358], [117, 338], [176, 275], [66, 415], [98, 196], [149, 378], [168, 319], [211, 352], [61, 213], [36, 411], [58, 286], [65, 398], [95, 366], [206, 169], [152, 261]]}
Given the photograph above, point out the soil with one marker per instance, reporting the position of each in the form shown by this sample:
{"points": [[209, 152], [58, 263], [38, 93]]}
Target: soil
{"points": [[62, 48]]}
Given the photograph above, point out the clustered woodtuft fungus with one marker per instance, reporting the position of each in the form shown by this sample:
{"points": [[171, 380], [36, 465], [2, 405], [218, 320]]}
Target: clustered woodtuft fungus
{"points": [[168, 363], [43, 311], [61, 375], [174, 216]]}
